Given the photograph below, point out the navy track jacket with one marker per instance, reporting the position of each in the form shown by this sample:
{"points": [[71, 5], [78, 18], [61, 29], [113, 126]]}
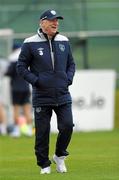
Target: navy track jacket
{"points": [[18, 84], [49, 66]]}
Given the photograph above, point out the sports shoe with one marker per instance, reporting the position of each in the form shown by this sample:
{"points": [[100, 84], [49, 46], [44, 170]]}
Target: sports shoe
{"points": [[29, 131], [26, 130], [16, 132], [60, 164], [3, 129], [46, 170]]}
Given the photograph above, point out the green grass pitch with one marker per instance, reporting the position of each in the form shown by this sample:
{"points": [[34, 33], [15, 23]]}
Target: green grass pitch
{"points": [[93, 156]]}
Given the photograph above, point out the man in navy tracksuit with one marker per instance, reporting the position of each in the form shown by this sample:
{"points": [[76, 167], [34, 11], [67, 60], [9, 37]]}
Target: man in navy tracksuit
{"points": [[46, 62]]}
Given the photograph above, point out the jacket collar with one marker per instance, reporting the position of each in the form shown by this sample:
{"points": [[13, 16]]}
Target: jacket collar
{"points": [[44, 35]]}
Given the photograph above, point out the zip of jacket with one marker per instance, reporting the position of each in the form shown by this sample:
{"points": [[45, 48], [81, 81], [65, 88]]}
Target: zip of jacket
{"points": [[52, 54]]}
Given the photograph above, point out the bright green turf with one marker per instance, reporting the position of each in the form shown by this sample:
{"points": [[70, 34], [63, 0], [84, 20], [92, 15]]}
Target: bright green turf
{"points": [[93, 156], [117, 109]]}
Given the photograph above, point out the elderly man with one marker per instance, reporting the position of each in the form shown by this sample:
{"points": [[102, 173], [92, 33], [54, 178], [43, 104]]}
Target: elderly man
{"points": [[46, 62]]}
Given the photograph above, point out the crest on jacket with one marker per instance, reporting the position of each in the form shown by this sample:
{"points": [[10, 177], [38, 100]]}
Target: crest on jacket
{"points": [[40, 51], [62, 47]]}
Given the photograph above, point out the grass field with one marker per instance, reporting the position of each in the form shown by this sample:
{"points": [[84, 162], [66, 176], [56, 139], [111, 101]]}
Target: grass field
{"points": [[117, 109], [93, 156]]}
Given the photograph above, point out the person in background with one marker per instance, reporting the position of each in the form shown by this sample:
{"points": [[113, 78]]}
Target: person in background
{"points": [[47, 63], [20, 97], [3, 116], [3, 125]]}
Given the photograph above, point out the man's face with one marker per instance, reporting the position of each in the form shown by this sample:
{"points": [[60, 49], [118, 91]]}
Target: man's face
{"points": [[50, 27]]}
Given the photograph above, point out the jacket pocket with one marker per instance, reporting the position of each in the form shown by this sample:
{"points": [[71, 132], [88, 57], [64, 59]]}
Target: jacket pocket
{"points": [[61, 79], [46, 79], [53, 79]]}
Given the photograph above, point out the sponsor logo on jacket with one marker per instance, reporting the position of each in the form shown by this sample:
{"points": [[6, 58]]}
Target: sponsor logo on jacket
{"points": [[40, 51]]}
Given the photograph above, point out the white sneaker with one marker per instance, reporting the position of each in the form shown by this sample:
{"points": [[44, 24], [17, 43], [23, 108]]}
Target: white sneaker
{"points": [[46, 170], [16, 132], [3, 129], [59, 161]]}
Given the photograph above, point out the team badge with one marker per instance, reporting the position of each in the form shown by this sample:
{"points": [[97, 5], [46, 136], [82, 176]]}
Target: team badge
{"points": [[62, 47], [40, 51], [38, 109], [53, 12]]}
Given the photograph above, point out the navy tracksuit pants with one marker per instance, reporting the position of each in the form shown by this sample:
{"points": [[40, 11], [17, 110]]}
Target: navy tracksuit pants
{"points": [[42, 125]]}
